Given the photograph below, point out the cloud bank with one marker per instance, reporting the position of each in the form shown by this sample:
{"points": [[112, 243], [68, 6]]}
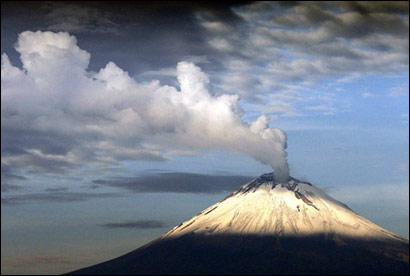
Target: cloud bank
{"points": [[139, 224], [57, 115], [55, 197], [282, 54], [176, 182]]}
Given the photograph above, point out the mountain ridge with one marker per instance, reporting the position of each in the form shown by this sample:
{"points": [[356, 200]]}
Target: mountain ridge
{"points": [[291, 208], [269, 227]]}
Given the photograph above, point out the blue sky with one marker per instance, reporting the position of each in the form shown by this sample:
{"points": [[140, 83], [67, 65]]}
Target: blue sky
{"points": [[121, 121]]}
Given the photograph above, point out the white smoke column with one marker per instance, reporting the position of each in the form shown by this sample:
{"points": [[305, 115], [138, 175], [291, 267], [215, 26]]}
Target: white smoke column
{"points": [[219, 118], [56, 93], [277, 138]]}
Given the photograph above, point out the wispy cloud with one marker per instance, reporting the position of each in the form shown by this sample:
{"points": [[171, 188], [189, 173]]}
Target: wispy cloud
{"points": [[5, 187], [177, 183], [8, 174], [182, 152], [399, 91], [326, 110], [138, 224], [405, 118], [367, 95], [55, 197], [278, 47], [57, 189]]}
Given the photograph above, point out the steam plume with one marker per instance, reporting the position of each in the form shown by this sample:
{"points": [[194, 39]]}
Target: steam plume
{"points": [[118, 118]]}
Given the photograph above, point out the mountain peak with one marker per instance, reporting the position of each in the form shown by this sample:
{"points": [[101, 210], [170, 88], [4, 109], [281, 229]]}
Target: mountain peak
{"points": [[268, 207], [270, 180], [273, 228]]}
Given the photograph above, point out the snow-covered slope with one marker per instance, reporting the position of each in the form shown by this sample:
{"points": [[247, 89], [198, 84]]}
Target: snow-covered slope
{"points": [[295, 208]]}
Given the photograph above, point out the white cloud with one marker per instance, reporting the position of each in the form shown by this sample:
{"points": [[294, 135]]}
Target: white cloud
{"points": [[398, 91], [277, 106], [405, 118], [112, 117], [221, 44], [182, 152], [367, 95], [217, 27], [326, 110]]}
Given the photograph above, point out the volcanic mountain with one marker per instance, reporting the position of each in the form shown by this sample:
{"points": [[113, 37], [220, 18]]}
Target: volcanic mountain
{"points": [[267, 227]]}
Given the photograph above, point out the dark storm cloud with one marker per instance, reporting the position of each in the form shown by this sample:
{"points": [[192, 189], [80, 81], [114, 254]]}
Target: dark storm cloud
{"points": [[139, 224], [177, 183], [55, 197]]}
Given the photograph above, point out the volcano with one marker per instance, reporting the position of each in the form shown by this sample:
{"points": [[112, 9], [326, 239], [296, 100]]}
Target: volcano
{"points": [[272, 228]]}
